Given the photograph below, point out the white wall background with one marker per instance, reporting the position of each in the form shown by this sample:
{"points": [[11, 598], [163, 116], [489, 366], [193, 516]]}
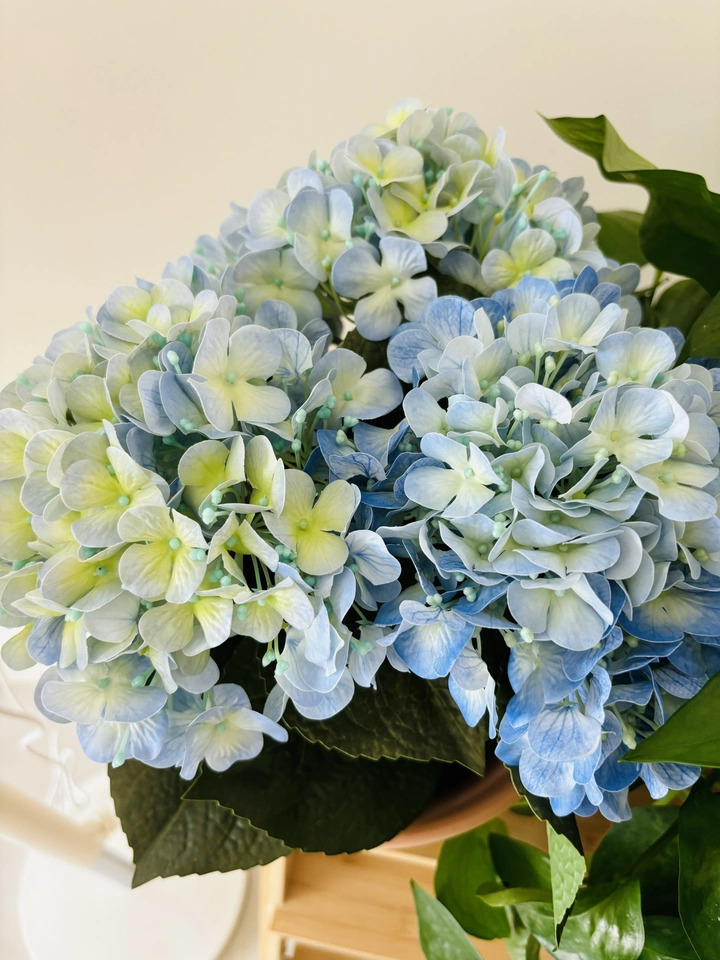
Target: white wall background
{"points": [[128, 125]]}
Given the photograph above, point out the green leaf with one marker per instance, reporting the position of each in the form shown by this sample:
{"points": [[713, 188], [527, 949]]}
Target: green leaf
{"points": [[567, 872], [699, 886], [171, 836], [405, 717], [665, 939], [605, 924], [311, 797], [618, 237], [320, 800], [464, 866], [441, 936], [704, 337], [680, 305], [680, 231], [512, 895], [519, 864], [646, 848], [542, 809], [691, 735]]}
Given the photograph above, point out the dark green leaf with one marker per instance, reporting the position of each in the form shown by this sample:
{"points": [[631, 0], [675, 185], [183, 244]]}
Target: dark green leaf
{"points": [[691, 735], [680, 232], [646, 848], [512, 895], [464, 866], [519, 864], [618, 237], [319, 799], [405, 717], [171, 836], [699, 886], [567, 872], [540, 806], [704, 338], [441, 936], [680, 305], [312, 797], [665, 939], [605, 924]]}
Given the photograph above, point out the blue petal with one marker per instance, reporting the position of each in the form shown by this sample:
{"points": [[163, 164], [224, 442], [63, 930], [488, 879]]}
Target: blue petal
{"points": [[430, 648], [563, 733], [546, 778], [674, 612]]}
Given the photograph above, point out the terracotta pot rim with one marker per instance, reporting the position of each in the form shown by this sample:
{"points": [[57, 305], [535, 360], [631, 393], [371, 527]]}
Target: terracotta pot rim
{"points": [[466, 807]]}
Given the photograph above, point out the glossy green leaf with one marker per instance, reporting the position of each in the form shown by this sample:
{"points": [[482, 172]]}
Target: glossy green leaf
{"points": [[699, 886], [405, 717], [680, 231], [645, 848], [542, 809], [605, 924], [567, 872], [519, 864], [691, 735], [704, 337], [665, 939], [512, 895], [172, 836], [465, 865], [619, 236], [680, 305], [441, 936]]}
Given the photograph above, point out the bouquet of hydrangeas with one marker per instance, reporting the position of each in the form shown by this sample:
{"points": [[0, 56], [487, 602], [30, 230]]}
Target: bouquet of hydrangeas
{"points": [[400, 453]]}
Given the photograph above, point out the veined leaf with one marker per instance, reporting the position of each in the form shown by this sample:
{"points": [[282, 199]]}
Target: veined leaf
{"points": [[405, 717], [567, 872], [171, 836], [691, 735]]}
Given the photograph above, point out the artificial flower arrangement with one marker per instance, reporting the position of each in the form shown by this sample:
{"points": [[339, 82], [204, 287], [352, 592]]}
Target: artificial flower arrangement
{"points": [[399, 466]]}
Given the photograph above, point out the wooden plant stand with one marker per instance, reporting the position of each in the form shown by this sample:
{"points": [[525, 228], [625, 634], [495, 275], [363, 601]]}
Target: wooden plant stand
{"points": [[315, 907]]}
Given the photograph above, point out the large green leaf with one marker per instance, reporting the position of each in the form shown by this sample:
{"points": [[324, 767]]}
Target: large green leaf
{"points": [[619, 236], [704, 338], [519, 864], [309, 796], [441, 936], [319, 799], [542, 809], [405, 717], [646, 848], [665, 939], [691, 735], [464, 866], [699, 886], [679, 306], [605, 924], [680, 231], [171, 836], [567, 872]]}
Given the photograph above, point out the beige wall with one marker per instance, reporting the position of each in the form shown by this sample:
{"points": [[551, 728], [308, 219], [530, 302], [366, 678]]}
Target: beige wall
{"points": [[127, 126]]}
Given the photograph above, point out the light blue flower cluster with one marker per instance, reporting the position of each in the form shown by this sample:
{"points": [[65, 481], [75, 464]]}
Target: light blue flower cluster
{"points": [[196, 467], [565, 493]]}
